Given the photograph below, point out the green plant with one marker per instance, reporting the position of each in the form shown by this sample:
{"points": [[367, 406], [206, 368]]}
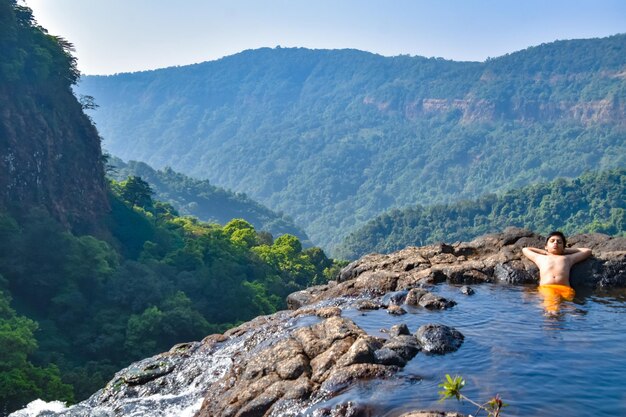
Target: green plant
{"points": [[452, 389]]}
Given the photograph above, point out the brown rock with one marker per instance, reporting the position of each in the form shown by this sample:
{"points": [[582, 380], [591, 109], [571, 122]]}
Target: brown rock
{"points": [[435, 302], [327, 312], [414, 295], [361, 351], [377, 281], [396, 310], [343, 377], [368, 305], [322, 363]]}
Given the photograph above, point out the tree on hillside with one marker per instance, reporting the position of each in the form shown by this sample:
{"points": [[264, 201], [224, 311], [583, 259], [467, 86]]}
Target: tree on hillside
{"points": [[594, 202], [20, 380], [137, 192]]}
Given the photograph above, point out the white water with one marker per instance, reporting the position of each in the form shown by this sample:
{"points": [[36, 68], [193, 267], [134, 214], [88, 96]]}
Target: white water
{"points": [[37, 407]]}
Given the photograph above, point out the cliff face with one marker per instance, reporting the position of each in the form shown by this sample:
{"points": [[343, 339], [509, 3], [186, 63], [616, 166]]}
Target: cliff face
{"points": [[50, 152], [50, 156], [471, 110]]}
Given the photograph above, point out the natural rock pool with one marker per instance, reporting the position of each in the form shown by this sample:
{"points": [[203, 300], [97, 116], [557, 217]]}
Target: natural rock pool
{"points": [[543, 359]]}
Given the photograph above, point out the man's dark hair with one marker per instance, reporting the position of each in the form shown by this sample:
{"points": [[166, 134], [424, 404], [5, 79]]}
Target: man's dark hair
{"points": [[559, 234]]}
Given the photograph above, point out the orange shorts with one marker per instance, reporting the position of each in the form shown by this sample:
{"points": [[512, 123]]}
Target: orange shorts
{"points": [[553, 294]]}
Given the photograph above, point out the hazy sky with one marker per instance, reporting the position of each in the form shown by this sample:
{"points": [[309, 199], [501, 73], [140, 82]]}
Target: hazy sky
{"points": [[130, 35]]}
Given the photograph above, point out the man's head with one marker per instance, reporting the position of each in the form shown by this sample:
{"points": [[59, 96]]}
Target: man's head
{"points": [[555, 243]]}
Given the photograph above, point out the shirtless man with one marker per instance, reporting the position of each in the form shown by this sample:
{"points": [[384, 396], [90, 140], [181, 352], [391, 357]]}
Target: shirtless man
{"points": [[555, 261]]}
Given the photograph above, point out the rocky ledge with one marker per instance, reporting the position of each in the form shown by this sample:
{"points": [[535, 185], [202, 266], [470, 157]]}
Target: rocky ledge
{"points": [[490, 258], [293, 362]]}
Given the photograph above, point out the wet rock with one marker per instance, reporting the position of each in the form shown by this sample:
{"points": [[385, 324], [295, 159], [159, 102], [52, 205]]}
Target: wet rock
{"points": [[435, 302], [467, 290], [396, 310], [327, 312], [414, 295], [399, 329], [613, 275], [342, 378], [138, 379], [389, 357], [437, 338], [405, 346], [423, 298], [298, 299], [293, 368], [361, 351], [145, 371], [347, 409], [468, 274], [325, 357], [301, 298], [394, 298], [593, 273], [513, 273], [368, 305]]}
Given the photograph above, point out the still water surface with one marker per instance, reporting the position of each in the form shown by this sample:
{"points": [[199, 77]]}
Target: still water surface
{"points": [[543, 359]]}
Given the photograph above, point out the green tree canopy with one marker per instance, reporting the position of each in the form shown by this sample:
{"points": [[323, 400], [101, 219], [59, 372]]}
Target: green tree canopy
{"points": [[20, 380]]}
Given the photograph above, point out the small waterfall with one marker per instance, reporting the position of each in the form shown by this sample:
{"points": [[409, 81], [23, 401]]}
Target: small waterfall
{"points": [[169, 384]]}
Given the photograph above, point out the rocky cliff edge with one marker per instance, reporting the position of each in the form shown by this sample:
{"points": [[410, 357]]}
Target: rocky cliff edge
{"points": [[491, 258]]}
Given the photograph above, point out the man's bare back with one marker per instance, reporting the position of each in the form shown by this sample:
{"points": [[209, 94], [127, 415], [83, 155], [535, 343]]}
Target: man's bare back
{"points": [[555, 261]]}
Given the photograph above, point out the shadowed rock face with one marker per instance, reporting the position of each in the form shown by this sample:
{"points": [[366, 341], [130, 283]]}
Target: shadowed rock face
{"points": [[288, 362], [490, 258], [50, 156]]}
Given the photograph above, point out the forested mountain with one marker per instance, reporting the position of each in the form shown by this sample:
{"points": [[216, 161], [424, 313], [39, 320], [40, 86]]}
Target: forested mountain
{"points": [[334, 137], [594, 202], [201, 199], [95, 274]]}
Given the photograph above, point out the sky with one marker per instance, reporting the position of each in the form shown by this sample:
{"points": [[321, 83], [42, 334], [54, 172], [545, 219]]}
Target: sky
{"points": [[113, 36]]}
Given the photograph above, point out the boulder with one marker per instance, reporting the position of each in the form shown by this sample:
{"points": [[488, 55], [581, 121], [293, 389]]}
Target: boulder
{"points": [[435, 302], [440, 339], [467, 290]]}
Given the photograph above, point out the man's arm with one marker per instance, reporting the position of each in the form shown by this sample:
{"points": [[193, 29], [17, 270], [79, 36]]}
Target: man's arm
{"points": [[577, 254], [533, 253]]}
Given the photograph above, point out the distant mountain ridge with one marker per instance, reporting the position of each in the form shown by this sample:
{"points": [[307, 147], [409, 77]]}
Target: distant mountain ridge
{"points": [[207, 202], [335, 137]]}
